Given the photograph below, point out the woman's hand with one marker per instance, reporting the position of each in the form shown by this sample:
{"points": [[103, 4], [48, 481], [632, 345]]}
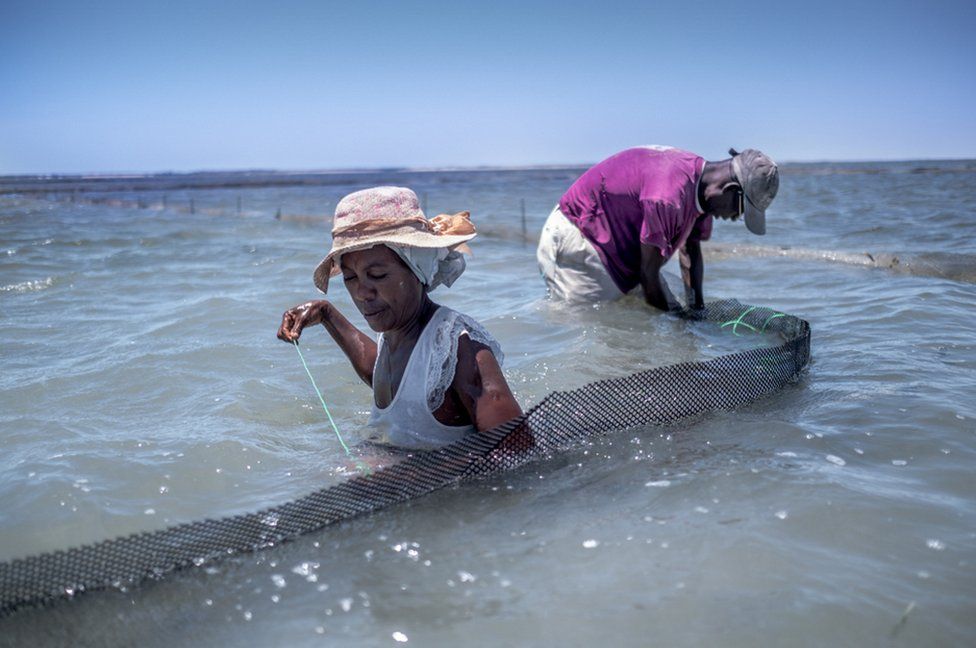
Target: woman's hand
{"points": [[294, 320], [358, 347]]}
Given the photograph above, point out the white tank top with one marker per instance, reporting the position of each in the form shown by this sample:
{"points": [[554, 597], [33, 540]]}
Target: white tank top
{"points": [[408, 421]]}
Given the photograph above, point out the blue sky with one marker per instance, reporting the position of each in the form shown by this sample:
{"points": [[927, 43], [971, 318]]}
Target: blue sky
{"points": [[181, 86]]}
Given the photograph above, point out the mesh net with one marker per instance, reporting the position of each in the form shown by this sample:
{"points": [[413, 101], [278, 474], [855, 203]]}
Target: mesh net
{"points": [[654, 397]]}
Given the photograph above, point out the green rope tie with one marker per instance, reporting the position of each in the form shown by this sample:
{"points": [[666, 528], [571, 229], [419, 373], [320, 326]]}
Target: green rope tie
{"points": [[737, 322], [359, 464], [770, 319]]}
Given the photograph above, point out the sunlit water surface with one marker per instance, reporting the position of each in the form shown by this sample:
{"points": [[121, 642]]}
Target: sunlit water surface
{"points": [[142, 386]]}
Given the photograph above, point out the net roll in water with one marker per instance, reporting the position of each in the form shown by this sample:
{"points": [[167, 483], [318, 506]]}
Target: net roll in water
{"points": [[561, 420]]}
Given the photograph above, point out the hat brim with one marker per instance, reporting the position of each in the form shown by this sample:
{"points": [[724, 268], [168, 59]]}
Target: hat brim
{"points": [[755, 218], [328, 267]]}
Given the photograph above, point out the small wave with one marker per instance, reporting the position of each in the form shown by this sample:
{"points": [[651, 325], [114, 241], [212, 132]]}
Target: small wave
{"points": [[944, 265], [28, 286]]}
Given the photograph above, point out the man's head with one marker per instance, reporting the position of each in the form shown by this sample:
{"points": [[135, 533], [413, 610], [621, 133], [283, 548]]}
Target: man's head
{"points": [[758, 177]]}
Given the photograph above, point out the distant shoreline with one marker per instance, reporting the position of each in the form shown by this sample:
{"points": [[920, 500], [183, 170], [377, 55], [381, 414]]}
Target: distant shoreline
{"points": [[257, 178]]}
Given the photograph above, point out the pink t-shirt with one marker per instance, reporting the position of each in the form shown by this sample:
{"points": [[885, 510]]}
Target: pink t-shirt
{"points": [[641, 195]]}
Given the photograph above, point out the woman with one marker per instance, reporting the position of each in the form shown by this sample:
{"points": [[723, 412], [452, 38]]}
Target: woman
{"points": [[435, 373]]}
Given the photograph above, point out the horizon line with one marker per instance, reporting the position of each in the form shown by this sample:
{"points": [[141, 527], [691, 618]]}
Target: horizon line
{"points": [[93, 175]]}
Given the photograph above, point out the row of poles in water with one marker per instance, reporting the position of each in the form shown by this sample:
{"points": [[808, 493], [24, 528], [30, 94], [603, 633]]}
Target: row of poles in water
{"points": [[192, 208]]}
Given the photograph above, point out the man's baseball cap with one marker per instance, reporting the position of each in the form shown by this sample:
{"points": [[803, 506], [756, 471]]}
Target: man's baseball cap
{"points": [[759, 179]]}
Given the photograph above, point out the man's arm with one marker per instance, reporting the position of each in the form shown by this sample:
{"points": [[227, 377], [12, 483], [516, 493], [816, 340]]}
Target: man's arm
{"points": [[692, 272], [656, 291]]}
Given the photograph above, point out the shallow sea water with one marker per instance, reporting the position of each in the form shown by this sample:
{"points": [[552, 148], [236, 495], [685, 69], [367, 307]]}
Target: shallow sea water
{"points": [[142, 386]]}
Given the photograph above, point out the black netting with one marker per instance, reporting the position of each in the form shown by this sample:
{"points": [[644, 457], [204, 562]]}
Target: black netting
{"points": [[657, 396]]}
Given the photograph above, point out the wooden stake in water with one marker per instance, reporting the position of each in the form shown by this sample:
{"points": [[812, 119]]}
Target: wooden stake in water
{"points": [[525, 236]]}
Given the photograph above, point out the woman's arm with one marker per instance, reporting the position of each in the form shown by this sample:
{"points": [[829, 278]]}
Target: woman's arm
{"points": [[481, 386], [358, 347]]}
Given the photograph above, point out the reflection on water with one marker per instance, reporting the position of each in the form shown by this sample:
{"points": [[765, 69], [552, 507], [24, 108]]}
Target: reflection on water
{"points": [[143, 386]]}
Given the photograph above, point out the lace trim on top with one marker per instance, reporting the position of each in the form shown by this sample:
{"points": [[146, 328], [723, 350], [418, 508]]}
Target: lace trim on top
{"points": [[444, 346]]}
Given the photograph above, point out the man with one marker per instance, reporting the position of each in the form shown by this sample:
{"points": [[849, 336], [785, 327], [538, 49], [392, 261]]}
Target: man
{"points": [[621, 221]]}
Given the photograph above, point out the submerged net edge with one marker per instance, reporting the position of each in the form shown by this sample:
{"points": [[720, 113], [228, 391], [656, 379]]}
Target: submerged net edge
{"points": [[561, 420]]}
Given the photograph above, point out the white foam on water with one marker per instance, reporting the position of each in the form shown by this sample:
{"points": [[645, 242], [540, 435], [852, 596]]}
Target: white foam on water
{"points": [[28, 286]]}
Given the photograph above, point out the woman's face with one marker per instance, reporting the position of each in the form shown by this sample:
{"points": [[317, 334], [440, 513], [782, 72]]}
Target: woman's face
{"points": [[384, 289]]}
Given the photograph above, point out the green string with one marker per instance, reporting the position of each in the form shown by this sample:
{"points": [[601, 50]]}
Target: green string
{"points": [[770, 319], [359, 464], [737, 322]]}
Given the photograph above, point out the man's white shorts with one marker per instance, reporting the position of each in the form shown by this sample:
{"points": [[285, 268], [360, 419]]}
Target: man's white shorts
{"points": [[571, 265]]}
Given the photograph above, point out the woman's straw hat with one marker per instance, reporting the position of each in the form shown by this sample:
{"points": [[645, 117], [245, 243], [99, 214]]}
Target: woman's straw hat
{"points": [[388, 215]]}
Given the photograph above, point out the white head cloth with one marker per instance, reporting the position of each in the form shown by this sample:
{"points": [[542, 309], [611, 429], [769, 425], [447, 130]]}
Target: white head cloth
{"points": [[432, 266]]}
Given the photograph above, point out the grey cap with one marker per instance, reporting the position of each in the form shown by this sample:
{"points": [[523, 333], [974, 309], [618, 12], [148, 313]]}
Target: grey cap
{"points": [[759, 179]]}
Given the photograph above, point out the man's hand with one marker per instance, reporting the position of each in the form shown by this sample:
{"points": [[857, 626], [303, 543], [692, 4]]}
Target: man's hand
{"points": [[656, 291]]}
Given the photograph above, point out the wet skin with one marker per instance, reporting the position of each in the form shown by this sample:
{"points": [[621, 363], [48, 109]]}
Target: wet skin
{"points": [[717, 194], [395, 303]]}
